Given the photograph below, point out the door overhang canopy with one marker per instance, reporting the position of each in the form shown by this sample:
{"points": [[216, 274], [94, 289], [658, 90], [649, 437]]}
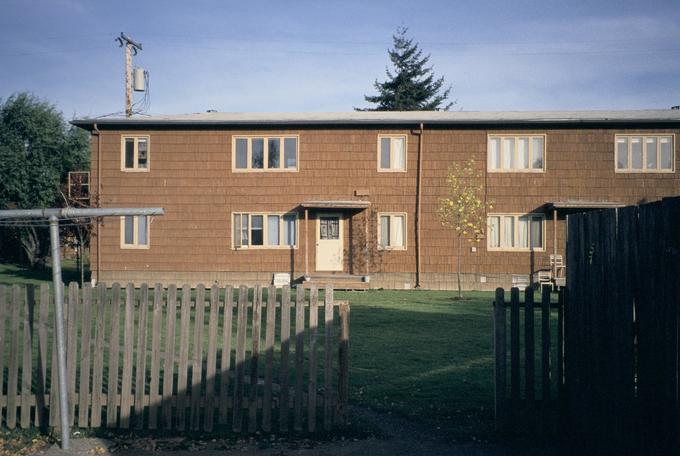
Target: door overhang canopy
{"points": [[581, 205], [336, 204]]}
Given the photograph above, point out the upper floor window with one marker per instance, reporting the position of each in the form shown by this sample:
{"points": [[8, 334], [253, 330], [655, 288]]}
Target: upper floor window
{"points": [[265, 153], [391, 153], [392, 231], [134, 153], [516, 153], [134, 232], [644, 154], [264, 230], [521, 232]]}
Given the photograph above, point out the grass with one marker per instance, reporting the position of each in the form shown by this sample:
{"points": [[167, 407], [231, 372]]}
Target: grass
{"points": [[11, 274], [423, 355], [418, 354]]}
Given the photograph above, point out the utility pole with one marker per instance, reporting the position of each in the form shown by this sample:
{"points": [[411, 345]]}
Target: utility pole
{"points": [[131, 48]]}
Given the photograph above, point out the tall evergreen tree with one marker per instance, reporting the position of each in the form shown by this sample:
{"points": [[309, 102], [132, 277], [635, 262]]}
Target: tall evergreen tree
{"points": [[412, 86]]}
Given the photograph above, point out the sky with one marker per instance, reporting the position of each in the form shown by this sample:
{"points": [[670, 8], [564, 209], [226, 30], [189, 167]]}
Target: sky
{"points": [[316, 56]]}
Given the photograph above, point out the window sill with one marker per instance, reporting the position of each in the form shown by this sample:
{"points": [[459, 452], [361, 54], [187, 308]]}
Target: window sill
{"points": [[515, 171], [515, 250], [135, 170], [268, 170], [265, 247], [644, 171]]}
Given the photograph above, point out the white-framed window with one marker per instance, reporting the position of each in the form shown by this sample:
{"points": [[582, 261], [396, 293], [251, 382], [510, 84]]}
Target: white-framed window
{"points": [[392, 151], [264, 230], [134, 153], [265, 153], [516, 153], [134, 231], [516, 232], [392, 231], [645, 153]]}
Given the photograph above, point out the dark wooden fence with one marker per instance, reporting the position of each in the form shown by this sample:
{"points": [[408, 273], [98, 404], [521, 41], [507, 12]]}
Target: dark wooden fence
{"points": [[177, 359], [529, 358], [621, 328]]}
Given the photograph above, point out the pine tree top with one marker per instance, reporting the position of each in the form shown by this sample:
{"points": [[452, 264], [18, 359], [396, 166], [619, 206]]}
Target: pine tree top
{"points": [[411, 86]]}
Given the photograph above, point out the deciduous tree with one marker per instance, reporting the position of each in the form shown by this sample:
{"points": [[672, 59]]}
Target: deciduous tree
{"points": [[463, 208], [37, 150]]}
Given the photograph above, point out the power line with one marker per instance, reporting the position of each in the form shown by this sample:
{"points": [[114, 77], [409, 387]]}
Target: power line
{"points": [[54, 51]]}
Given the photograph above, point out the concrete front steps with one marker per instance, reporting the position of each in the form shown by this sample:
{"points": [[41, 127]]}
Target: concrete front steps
{"points": [[339, 281]]}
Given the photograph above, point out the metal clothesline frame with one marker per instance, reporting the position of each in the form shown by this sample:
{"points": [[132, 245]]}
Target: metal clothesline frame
{"points": [[53, 215]]}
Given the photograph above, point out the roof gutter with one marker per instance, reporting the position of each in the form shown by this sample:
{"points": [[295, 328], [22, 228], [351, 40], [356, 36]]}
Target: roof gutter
{"points": [[88, 124]]}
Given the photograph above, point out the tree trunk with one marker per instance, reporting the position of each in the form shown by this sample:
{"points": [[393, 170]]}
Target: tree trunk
{"points": [[80, 256], [460, 251], [30, 244]]}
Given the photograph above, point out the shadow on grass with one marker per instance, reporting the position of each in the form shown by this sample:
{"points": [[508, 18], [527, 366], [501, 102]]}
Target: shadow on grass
{"points": [[11, 274], [416, 354]]}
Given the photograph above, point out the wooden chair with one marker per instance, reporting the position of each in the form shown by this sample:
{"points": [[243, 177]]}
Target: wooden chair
{"points": [[557, 263], [545, 279]]}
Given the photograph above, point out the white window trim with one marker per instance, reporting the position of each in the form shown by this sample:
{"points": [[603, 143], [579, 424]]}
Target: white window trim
{"points": [[644, 169], [516, 232], [393, 170], [135, 233], [265, 231], [135, 168], [392, 215], [515, 153], [266, 138]]}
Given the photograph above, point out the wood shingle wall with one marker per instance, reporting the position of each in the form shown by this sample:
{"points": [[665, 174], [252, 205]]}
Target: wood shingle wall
{"points": [[191, 177]]}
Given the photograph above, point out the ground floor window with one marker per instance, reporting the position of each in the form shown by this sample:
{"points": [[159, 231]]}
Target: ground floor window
{"points": [[264, 230], [392, 231], [521, 232], [134, 232]]}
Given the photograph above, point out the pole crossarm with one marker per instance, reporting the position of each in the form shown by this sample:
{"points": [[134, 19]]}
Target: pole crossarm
{"points": [[68, 212]]}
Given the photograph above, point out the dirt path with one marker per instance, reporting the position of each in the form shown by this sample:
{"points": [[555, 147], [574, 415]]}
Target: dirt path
{"points": [[394, 436]]}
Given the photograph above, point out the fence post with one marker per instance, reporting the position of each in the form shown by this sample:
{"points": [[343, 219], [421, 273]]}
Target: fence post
{"points": [[254, 357], [545, 357], [343, 354], [299, 355], [84, 359], [328, 362], [269, 360], [499, 349], [514, 351], [4, 304], [240, 359], [112, 398], [140, 370], [313, 330]]}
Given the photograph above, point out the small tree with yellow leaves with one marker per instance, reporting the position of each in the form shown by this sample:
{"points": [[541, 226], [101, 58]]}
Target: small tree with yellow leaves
{"points": [[464, 207]]}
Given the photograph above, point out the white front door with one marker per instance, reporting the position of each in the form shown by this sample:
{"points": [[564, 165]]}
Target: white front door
{"points": [[329, 242]]}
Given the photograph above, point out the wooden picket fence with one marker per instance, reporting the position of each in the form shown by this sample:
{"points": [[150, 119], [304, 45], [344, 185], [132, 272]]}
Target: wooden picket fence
{"points": [[184, 359], [520, 409]]}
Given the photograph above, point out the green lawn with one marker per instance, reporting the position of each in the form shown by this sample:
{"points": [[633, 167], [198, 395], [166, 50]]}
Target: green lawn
{"points": [[424, 355], [11, 274]]}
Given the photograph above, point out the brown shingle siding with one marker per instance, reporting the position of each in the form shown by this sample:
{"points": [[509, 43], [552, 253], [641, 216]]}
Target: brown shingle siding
{"points": [[191, 177]]}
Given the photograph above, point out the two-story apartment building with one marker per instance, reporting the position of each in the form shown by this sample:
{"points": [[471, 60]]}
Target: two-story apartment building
{"points": [[355, 195]]}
